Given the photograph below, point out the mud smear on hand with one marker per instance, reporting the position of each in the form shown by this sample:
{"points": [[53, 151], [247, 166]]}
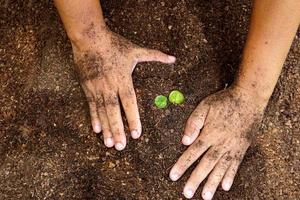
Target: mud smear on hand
{"points": [[89, 66], [252, 132], [90, 31], [111, 100], [237, 112], [121, 44]]}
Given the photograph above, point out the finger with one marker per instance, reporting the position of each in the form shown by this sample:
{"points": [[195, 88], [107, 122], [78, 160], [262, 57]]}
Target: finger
{"points": [[215, 177], [231, 171], [204, 167], [93, 110], [107, 135], [188, 158], [146, 55], [94, 116], [113, 111], [128, 99], [195, 123]]}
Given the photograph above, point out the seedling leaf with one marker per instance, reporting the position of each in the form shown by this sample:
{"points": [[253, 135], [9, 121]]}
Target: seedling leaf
{"points": [[161, 101], [176, 97]]}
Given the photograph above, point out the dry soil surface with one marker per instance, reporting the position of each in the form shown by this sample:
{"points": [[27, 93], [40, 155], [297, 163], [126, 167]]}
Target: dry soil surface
{"points": [[47, 147]]}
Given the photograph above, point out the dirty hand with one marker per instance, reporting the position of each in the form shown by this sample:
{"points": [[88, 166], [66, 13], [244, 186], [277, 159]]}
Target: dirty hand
{"points": [[104, 65], [227, 120]]}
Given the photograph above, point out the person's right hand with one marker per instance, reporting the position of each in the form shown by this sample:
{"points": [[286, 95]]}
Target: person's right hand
{"points": [[104, 63]]}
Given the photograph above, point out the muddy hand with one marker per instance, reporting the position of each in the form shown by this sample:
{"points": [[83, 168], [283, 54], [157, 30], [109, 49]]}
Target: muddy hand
{"points": [[104, 66], [221, 128]]}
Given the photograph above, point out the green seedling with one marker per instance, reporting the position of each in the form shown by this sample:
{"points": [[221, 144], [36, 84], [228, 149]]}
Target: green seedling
{"points": [[176, 97], [161, 101]]}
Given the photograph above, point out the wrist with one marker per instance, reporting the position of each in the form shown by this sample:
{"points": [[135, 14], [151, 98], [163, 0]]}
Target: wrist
{"points": [[253, 96], [87, 36], [259, 88]]}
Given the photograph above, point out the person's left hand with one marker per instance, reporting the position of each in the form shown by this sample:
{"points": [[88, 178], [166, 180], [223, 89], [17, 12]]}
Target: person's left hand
{"points": [[227, 121]]}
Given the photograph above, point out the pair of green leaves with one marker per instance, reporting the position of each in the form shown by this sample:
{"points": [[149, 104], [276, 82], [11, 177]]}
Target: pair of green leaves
{"points": [[175, 97]]}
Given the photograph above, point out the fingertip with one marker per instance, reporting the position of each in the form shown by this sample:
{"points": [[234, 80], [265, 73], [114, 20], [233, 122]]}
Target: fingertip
{"points": [[97, 128], [174, 176], [188, 193], [186, 140], [171, 59], [109, 142], [119, 140], [119, 146], [207, 195], [135, 134], [226, 185]]}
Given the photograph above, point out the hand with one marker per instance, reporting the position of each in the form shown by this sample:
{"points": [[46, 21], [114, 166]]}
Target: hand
{"points": [[104, 64], [227, 120]]}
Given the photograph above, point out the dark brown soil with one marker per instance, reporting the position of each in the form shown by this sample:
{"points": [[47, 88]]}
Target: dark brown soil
{"points": [[47, 147]]}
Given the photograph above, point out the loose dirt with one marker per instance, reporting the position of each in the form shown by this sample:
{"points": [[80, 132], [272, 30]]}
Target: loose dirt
{"points": [[47, 147]]}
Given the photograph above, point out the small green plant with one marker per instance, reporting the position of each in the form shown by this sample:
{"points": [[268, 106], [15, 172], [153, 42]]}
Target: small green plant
{"points": [[161, 101], [176, 97]]}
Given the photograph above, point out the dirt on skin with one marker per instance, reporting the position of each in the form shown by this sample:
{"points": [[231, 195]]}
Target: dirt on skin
{"points": [[47, 147]]}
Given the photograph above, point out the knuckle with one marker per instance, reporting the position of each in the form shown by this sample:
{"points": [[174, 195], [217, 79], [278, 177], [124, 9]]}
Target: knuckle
{"points": [[140, 51], [196, 120], [190, 157], [111, 100], [183, 164], [228, 158], [225, 162], [119, 133], [213, 155], [238, 157], [133, 122], [99, 101], [138, 54], [128, 92], [182, 167], [115, 125], [197, 145], [233, 170], [192, 122], [216, 179]]}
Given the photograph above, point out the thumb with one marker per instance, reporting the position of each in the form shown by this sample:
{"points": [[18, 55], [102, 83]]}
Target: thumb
{"points": [[195, 123], [146, 55]]}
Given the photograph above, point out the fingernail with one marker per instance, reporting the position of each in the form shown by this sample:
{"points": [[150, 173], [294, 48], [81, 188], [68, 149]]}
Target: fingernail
{"points": [[119, 146], [174, 176], [207, 196], [171, 59], [135, 134], [109, 142], [188, 193], [226, 185], [186, 140], [97, 128]]}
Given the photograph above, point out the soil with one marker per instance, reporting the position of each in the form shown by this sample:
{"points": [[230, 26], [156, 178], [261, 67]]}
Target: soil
{"points": [[47, 147]]}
